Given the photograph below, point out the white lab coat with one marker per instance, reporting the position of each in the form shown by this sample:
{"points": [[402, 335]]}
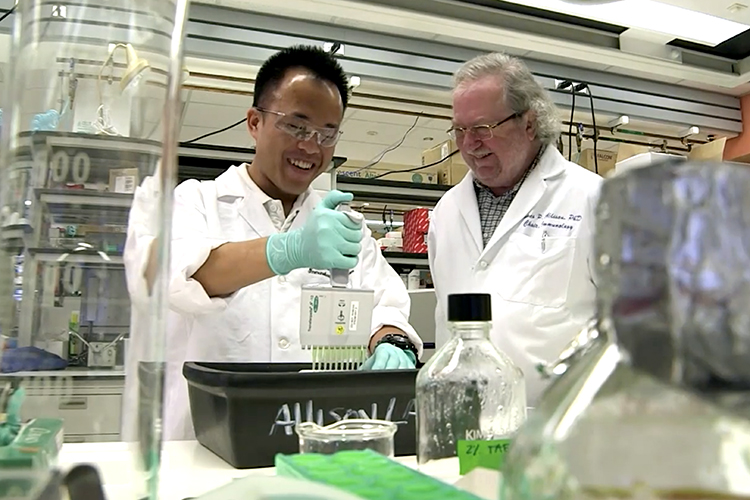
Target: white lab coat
{"points": [[259, 323], [542, 291]]}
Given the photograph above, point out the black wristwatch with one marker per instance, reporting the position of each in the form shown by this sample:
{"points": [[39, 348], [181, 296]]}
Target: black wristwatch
{"points": [[401, 341]]}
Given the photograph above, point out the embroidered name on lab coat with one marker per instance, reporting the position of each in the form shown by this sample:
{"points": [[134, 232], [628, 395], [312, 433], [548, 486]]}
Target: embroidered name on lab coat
{"points": [[552, 220]]}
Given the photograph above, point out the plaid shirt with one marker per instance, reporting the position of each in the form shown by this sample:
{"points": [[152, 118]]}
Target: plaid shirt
{"points": [[492, 208]]}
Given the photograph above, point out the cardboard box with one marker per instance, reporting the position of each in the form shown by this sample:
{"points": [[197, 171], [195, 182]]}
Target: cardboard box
{"points": [[606, 161], [711, 151], [608, 158], [451, 171], [123, 180]]}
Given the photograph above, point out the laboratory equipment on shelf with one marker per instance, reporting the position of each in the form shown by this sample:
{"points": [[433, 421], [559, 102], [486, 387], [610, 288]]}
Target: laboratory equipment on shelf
{"points": [[90, 113], [659, 409], [469, 395], [336, 321], [348, 434]]}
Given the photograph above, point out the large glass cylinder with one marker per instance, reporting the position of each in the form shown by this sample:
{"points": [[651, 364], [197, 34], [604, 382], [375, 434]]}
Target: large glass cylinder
{"points": [[90, 111]]}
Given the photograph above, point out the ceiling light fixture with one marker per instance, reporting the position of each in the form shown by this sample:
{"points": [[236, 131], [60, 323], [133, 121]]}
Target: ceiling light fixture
{"points": [[649, 15]]}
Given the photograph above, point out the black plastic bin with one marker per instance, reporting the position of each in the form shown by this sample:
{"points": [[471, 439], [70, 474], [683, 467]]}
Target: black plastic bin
{"points": [[246, 412]]}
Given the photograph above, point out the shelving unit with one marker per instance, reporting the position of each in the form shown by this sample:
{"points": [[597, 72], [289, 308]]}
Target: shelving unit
{"points": [[72, 204], [76, 231], [395, 193], [375, 190], [408, 260], [79, 256]]}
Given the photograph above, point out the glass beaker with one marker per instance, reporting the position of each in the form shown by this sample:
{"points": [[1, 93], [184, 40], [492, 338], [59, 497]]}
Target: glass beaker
{"points": [[347, 434], [88, 162]]}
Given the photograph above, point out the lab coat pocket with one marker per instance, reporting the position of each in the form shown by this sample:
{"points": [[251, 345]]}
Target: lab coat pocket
{"points": [[535, 269]]}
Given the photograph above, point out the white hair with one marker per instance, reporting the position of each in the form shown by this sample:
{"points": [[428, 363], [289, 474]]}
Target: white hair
{"points": [[522, 92]]}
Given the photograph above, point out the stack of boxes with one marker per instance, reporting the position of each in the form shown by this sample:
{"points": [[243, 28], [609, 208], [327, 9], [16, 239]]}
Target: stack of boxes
{"points": [[449, 171], [416, 225]]}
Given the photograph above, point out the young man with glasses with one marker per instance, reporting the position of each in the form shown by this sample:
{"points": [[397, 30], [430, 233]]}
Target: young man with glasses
{"points": [[244, 244], [519, 225]]}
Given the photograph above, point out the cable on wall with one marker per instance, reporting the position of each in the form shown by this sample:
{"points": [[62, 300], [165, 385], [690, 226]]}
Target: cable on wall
{"points": [[584, 87], [564, 85], [215, 132], [415, 169], [379, 157]]}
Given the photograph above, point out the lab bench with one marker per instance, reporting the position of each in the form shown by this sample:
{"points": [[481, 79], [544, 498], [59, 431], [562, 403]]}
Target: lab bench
{"points": [[187, 468]]}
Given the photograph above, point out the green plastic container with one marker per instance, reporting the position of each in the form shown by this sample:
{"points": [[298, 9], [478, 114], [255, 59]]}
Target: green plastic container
{"points": [[36, 446], [368, 475]]}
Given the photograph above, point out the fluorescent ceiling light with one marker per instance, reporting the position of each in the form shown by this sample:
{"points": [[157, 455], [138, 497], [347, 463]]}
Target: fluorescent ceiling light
{"points": [[649, 15]]}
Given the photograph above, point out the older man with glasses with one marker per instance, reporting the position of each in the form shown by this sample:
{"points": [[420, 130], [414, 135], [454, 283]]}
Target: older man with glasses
{"points": [[244, 244], [519, 224]]}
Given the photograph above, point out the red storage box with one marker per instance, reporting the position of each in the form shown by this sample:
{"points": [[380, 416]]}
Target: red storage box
{"points": [[416, 225]]}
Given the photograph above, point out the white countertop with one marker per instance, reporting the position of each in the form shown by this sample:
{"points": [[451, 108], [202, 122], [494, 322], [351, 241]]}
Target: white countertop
{"points": [[188, 469]]}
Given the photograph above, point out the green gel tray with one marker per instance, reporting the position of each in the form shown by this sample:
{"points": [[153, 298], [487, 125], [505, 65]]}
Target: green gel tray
{"points": [[369, 475]]}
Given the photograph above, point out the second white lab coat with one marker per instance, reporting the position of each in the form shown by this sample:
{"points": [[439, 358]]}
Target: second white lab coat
{"points": [[536, 266], [259, 323]]}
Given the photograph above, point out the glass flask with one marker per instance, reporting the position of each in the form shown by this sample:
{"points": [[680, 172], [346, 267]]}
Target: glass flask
{"points": [[347, 434], [90, 109], [660, 409], [468, 390]]}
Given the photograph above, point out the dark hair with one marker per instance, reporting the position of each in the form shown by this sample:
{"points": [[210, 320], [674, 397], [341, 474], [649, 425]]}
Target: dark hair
{"points": [[315, 60]]}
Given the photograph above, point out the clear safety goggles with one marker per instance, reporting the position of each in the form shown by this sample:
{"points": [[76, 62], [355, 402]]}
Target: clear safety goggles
{"points": [[300, 129], [481, 132]]}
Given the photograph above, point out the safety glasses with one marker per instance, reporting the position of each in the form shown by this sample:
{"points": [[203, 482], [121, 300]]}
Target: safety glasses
{"points": [[481, 132], [300, 129]]}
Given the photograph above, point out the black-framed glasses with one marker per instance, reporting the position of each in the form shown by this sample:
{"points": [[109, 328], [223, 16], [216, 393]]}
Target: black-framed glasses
{"points": [[302, 130], [482, 132]]}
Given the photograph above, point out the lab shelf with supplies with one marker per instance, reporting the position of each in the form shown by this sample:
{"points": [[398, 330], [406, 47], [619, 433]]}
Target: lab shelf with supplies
{"points": [[79, 190], [67, 235], [407, 260]]}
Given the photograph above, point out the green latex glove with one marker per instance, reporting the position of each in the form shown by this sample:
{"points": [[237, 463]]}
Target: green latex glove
{"points": [[328, 240], [390, 357], [12, 425]]}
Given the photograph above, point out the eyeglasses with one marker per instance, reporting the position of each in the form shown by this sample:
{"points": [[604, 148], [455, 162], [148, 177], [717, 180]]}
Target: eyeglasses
{"points": [[482, 132], [300, 129]]}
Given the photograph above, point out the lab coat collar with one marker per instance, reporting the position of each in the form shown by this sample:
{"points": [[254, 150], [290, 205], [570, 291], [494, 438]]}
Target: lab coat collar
{"points": [[236, 186], [531, 191]]}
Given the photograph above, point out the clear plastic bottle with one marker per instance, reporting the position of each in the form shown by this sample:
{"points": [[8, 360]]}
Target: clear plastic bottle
{"points": [[468, 391]]}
